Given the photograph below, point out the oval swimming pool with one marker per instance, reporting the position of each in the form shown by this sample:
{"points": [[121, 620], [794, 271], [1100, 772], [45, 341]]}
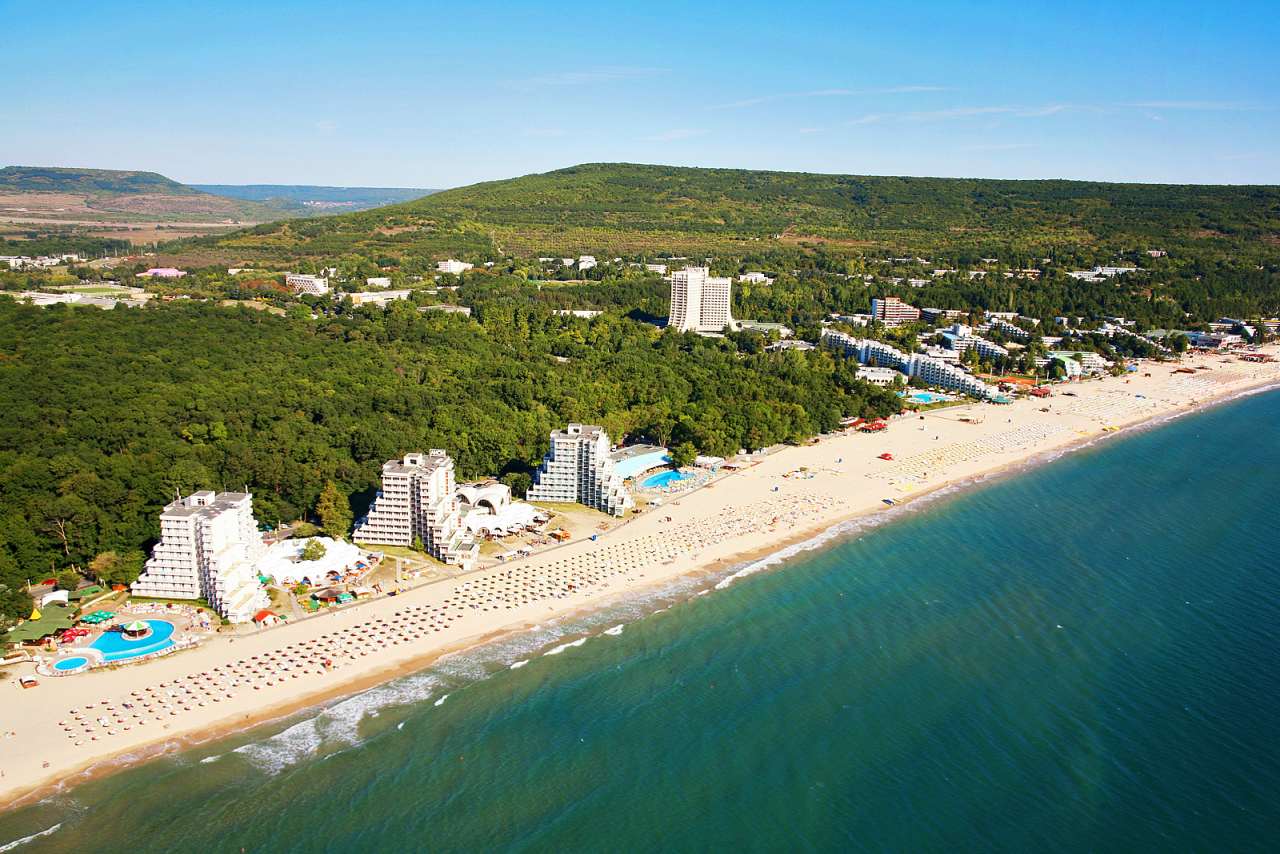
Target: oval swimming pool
{"points": [[114, 646], [664, 478], [73, 663]]}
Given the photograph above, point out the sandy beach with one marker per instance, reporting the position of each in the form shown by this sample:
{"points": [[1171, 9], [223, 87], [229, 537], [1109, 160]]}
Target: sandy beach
{"points": [[68, 727]]}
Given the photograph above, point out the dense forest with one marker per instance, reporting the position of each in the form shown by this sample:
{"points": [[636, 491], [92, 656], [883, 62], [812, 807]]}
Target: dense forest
{"points": [[109, 413], [630, 208]]}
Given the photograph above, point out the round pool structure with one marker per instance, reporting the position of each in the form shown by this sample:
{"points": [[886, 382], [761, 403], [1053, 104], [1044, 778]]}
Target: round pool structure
{"points": [[71, 664], [925, 397], [664, 479], [114, 646]]}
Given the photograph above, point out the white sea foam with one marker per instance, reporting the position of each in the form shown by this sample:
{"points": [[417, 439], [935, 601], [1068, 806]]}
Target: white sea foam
{"points": [[615, 630], [337, 725], [9, 846], [443, 697], [516, 665], [214, 758], [556, 650]]}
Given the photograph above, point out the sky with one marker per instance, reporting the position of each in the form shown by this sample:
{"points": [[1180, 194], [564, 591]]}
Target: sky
{"points": [[437, 95]]}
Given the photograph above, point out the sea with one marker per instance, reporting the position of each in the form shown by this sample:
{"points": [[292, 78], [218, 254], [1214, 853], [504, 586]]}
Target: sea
{"points": [[1080, 656]]}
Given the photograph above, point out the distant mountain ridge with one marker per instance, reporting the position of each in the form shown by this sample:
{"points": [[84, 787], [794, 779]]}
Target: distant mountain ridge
{"points": [[357, 198], [59, 179], [52, 195]]}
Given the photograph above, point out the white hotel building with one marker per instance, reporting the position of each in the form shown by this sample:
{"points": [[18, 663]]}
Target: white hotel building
{"points": [[452, 266], [699, 301], [302, 283], [418, 500], [209, 548], [578, 469], [961, 339], [931, 371], [892, 311]]}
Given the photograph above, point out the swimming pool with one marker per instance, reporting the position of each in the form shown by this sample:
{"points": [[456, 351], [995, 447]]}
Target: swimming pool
{"points": [[925, 396], [664, 478], [68, 664], [114, 646]]}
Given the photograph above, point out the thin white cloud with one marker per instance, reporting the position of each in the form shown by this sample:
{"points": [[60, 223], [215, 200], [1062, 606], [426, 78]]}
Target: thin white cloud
{"points": [[931, 115], [676, 134], [583, 77], [826, 93], [1211, 106]]}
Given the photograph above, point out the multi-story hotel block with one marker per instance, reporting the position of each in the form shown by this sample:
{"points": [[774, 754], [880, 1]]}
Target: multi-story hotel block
{"points": [[453, 266], [892, 311], [578, 469], [209, 548], [934, 372], [303, 283], [699, 301], [418, 500]]}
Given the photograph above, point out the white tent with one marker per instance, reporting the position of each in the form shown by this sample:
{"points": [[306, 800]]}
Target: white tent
{"points": [[512, 518], [56, 596], [284, 561]]}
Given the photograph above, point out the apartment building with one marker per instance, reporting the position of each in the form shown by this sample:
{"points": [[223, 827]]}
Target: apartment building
{"points": [[699, 301], [209, 549], [578, 469], [892, 311], [454, 267], [418, 500]]}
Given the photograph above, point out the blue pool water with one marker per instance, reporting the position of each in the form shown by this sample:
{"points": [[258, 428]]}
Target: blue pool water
{"points": [[664, 478], [924, 396], [633, 465], [71, 663], [116, 647]]}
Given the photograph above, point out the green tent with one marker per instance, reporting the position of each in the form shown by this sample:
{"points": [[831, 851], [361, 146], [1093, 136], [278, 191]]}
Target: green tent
{"points": [[136, 626], [53, 619]]}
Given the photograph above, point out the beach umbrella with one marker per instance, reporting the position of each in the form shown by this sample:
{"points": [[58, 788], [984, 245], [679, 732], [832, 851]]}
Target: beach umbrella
{"points": [[136, 626]]}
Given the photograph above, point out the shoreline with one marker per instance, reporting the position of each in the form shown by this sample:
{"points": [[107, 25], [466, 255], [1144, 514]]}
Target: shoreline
{"points": [[31, 716]]}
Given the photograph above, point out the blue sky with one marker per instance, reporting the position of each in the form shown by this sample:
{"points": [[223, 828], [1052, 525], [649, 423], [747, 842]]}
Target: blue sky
{"points": [[438, 95]]}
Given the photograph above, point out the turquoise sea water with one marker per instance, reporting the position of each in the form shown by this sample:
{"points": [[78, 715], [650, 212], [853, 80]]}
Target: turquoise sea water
{"points": [[1082, 658]]}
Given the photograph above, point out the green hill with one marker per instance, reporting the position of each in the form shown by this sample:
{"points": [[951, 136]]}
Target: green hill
{"points": [[50, 179], [629, 208]]}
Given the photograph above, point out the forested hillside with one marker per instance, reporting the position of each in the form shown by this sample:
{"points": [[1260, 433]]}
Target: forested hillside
{"points": [[628, 208], [108, 413]]}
